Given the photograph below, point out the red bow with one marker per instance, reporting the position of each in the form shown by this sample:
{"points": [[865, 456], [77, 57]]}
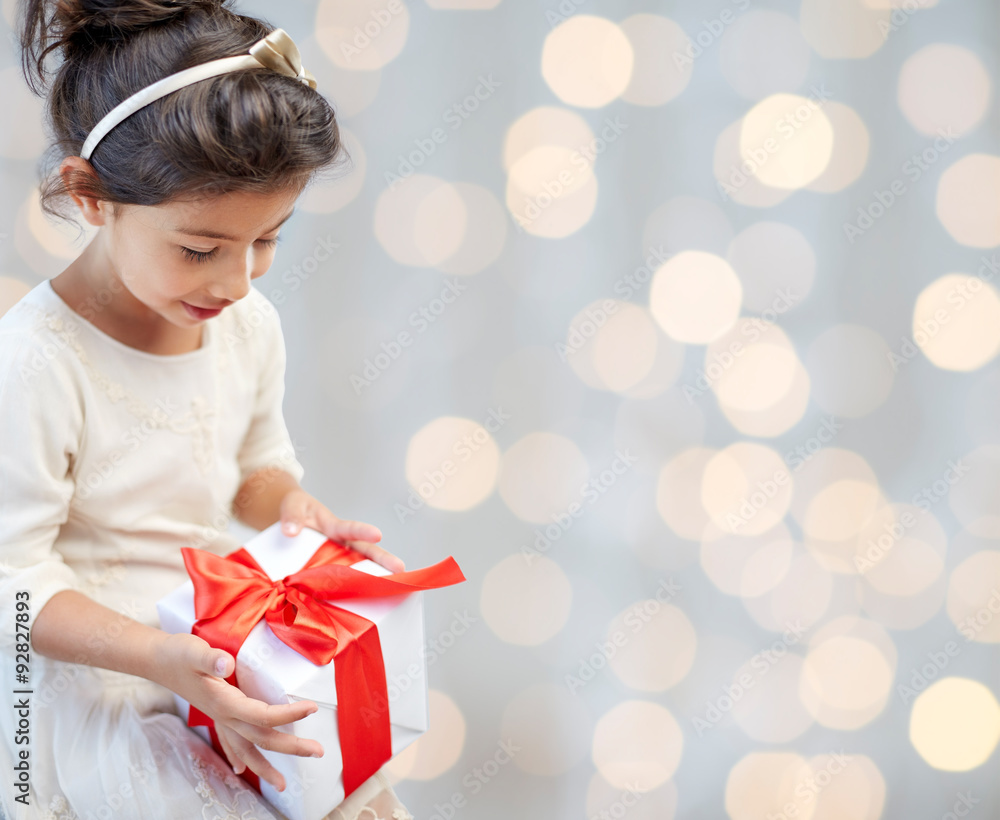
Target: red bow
{"points": [[232, 593]]}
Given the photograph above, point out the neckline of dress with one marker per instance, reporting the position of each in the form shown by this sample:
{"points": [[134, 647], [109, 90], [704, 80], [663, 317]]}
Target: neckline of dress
{"points": [[206, 336]]}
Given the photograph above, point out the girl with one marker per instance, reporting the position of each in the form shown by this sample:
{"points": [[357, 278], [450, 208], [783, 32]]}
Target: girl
{"points": [[140, 408]]}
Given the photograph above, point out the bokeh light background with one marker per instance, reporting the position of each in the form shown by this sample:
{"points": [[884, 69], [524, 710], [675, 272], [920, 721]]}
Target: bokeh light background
{"points": [[677, 325]]}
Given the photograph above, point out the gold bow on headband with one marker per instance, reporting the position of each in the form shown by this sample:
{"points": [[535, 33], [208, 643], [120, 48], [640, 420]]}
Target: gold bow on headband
{"points": [[278, 52]]}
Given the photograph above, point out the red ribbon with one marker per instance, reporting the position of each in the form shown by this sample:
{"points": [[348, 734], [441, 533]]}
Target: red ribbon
{"points": [[232, 593]]}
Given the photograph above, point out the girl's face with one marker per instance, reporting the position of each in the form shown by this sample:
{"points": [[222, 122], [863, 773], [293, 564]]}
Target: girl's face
{"points": [[187, 260]]}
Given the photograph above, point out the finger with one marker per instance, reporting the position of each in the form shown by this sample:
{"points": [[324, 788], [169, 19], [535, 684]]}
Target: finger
{"points": [[267, 716], [340, 529], [212, 661], [295, 513], [391, 562], [234, 759], [271, 740], [257, 763]]}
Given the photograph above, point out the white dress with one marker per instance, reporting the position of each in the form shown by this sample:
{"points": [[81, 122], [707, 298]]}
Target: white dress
{"points": [[111, 460]]}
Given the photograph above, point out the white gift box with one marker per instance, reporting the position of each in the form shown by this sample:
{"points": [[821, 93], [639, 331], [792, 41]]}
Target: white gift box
{"points": [[268, 670]]}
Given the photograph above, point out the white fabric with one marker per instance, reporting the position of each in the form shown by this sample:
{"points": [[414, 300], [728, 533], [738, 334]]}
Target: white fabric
{"points": [[111, 459]]}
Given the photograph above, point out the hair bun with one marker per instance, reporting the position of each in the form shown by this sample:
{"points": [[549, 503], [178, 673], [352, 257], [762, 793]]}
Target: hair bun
{"points": [[67, 25]]}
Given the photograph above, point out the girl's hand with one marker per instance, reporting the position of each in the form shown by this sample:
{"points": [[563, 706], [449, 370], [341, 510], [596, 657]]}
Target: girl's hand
{"points": [[299, 509], [189, 666]]}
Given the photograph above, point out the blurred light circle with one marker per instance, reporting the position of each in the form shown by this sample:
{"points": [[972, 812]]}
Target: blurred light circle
{"points": [[902, 550], [678, 494], [541, 475], [612, 349], [956, 322], [746, 489], [439, 749], [902, 612], [452, 463], [768, 708], [363, 35], [849, 370], [421, 221], [525, 599], [654, 645], [551, 727], [327, 196], [848, 673], [844, 29], [587, 61], [748, 566], [734, 175], [762, 53], [603, 799], [764, 783], [968, 200], [657, 76], [695, 297], [850, 149], [955, 724], [11, 292], [779, 417], [841, 510], [801, 596], [943, 88], [545, 125], [485, 231], [685, 223], [637, 742], [788, 140], [972, 484], [974, 597], [776, 265], [845, 787], [757, 378], [550, 192]]}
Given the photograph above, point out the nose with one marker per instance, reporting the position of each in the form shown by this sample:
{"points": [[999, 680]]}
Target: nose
{"points": [[234, 281]]}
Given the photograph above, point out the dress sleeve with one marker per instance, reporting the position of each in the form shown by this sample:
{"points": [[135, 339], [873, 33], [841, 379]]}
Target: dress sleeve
{"points": [[267, 442], [41, 425]]}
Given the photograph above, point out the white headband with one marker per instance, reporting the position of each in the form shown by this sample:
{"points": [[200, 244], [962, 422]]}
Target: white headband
{"points": [[277, 51]]}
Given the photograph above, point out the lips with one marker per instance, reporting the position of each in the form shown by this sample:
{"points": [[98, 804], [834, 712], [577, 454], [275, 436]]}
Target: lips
{"points": [[203, 313]]}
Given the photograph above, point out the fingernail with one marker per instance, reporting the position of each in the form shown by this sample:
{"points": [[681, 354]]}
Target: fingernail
{"points": [[220, 666]]}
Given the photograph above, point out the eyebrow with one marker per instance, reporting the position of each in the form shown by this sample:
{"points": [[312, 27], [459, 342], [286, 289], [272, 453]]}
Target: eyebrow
{"points": [[213, 235]]}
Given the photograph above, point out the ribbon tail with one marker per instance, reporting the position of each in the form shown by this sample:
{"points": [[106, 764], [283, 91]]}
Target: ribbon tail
{"points": [[362, 708]]}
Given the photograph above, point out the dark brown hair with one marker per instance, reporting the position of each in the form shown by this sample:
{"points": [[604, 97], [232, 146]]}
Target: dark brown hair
{"points": [[248, 130]]}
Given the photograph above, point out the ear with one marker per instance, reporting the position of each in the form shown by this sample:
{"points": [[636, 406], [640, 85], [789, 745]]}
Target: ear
{"points": [[74, 171]]}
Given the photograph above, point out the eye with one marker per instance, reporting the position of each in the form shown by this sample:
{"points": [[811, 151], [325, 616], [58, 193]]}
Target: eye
{"points": [[269, 243], [199, 256]]}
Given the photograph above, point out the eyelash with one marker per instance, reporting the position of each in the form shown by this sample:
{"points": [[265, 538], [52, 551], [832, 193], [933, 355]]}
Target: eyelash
{"points": [[204, 256]]}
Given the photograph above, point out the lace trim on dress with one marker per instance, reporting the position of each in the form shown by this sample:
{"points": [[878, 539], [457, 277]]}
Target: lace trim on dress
{"points": [[59, 810], [198, 422]]}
